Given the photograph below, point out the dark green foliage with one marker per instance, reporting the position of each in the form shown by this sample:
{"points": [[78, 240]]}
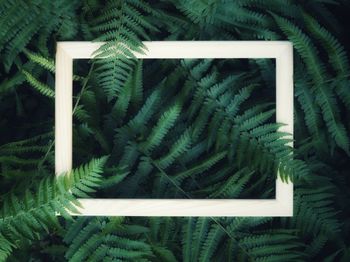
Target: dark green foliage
{"points": [[22, 20], [173, 129], [104, 240], [324, 96]]}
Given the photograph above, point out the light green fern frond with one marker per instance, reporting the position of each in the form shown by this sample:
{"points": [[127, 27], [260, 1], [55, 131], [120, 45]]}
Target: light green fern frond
{"points": [[122, 25], [46, 63], [39, 86], [27, 216]]}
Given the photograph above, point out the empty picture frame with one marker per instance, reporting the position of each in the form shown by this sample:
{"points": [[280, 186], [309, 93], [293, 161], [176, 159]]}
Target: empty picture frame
{"points": [[281, 51]]}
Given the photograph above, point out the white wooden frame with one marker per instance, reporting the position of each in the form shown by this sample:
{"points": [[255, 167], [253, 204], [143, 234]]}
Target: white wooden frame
{"points": [[282, 51]]}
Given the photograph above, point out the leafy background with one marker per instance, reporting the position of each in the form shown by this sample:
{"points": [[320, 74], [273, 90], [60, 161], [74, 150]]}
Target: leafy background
{"points": [[113, 103]]}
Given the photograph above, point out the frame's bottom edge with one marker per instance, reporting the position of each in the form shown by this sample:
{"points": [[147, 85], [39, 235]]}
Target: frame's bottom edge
{"points": [[184, 208]]}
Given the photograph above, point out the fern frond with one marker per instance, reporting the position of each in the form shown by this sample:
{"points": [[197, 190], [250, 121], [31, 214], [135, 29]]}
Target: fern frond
{"points": [[6, 248], [336, 54], [256, 120], [316, 245], [199, 13], [278, 245], [24, 153], [147, 110], [164, 254], [166, 121], [118, 174], [46, 63], [137, 89], [177, 149], [26, 217], [85, 179], [233, 186], [100, 238], [292, 11], [131, 94], [195, 233], [335, 51], [199, 234], [201, 167], [122, 24], [39, 86], [314, 212], [21, 21], [211, 243], [307, 103], [324, 95]]}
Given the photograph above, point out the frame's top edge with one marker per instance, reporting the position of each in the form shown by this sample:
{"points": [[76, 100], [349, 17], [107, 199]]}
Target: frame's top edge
{"points": [[67, 44], [188, 49], [157, 49], [264, 42]]}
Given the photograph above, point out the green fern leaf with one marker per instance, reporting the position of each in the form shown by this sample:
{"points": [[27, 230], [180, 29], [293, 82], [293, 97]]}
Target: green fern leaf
{"points": [[324, 95], [166, 121], [39, 86]]}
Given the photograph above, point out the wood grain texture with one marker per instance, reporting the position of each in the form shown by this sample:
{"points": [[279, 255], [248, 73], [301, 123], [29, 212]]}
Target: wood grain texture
{"points": [[63, 110]]}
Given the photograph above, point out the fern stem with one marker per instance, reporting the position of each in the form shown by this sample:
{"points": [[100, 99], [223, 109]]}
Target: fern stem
{"points": [[85, 82]]}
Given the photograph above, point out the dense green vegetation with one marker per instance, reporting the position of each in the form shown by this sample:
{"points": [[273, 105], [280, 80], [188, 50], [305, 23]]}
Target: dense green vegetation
{"points": [[173, 129]]}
